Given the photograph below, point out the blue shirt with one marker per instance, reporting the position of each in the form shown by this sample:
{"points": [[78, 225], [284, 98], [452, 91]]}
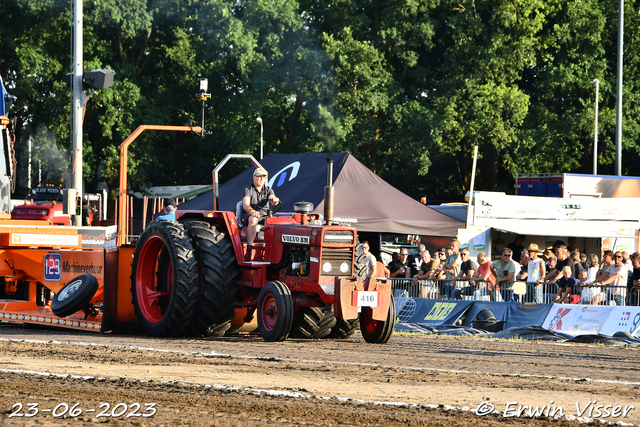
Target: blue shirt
{"points": [[171, 216]]}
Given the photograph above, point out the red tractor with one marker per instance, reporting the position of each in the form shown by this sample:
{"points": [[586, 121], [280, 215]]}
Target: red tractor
{"points": [[190, 276]]}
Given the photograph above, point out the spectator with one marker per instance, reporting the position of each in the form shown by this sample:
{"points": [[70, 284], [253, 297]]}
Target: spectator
{"points": [[592, 269], [516, 247], [424, 276], [452, 267], [169, 211], [415, 260], [504, 271], [400, 268], [552, 268], [577, 264], [571, 244], [583, 262], [524, 269], [626, 261], [535, 272], [438, 273], [617, 281], [369, 261], [563, 261], [467, 269], [590, 294], [566, 284], [607, 263], [483, 280], [635, 279], [546, 254]]}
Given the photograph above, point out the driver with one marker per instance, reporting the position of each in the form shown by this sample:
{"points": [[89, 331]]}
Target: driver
{"points": [[255, 203]]}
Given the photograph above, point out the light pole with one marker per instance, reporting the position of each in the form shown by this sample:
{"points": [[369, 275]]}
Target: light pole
{"points": [[259, 120], [595, 132]]}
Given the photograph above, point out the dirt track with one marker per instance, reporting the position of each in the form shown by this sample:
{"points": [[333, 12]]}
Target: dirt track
{"points": [[245, 381]]}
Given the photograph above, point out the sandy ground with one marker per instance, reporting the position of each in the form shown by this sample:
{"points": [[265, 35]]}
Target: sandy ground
{"points": [[412, 380]]}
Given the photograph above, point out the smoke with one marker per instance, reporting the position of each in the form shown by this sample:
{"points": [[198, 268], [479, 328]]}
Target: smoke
{"points": [[49, 161]]}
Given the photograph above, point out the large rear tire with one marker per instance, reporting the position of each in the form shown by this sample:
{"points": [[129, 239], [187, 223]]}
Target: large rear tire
{"points": [[275, 311], [218, 273], [164, 305], [345, 328], [312, 323], [375, 331]]}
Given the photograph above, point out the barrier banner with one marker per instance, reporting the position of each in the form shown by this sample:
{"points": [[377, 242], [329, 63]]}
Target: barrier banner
{"points": [[520, 315], [430, 312], [499, 309], [622, 319], [577, 319]]}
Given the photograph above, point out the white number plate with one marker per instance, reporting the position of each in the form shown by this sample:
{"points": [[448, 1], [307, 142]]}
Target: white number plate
{"points": [[367, 299]]}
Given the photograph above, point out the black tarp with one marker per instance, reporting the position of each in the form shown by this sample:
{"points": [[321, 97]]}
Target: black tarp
{"points": [[359, 194]]}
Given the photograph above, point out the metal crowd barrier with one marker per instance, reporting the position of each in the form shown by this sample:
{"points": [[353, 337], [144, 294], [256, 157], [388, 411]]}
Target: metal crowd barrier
{"points": [[526, 292]]}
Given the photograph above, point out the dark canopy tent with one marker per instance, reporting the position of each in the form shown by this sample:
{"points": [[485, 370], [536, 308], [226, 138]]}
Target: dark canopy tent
{"points": [[359, 194]]}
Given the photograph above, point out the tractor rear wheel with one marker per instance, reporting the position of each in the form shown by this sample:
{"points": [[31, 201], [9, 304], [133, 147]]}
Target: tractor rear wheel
{"points": [[164, 295], [218, 272], [375, 331], [345, 328], [275, 311], [312, 323]]}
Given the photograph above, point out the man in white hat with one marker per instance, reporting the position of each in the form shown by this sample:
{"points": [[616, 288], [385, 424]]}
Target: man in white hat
{"points": [[255, 203], [536, 272]]}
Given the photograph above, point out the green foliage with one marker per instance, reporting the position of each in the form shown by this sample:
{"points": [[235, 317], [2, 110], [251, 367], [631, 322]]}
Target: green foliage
{"points": [[409, 87]]}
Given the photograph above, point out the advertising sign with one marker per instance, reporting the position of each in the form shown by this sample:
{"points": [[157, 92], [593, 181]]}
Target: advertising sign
{"points": [[577, 319], [622, 319]]}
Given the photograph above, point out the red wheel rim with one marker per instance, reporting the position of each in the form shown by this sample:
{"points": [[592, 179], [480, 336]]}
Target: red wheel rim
{"points": [[269, 312], [147, 292], [370, 324]]}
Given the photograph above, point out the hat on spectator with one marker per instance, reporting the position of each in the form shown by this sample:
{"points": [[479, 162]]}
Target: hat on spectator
{"points": [[533, 247], [260, 172]]}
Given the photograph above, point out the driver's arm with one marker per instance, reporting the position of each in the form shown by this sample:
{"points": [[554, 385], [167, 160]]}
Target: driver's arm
{"points": [[272, 198], [246, 204]]}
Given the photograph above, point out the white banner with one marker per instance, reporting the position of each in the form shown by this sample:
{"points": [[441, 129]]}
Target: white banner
{"points": [[625, 319], [577, 319]]}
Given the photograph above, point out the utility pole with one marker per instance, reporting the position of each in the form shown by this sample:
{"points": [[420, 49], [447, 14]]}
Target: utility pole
{"points": [[76, 109]]}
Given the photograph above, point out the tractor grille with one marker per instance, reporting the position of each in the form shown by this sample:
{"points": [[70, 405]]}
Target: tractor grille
{"points": [[338, 237], [336, 262]]}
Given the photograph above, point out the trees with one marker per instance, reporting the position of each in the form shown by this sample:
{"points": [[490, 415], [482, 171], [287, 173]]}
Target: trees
{"points": [[409, 87]]}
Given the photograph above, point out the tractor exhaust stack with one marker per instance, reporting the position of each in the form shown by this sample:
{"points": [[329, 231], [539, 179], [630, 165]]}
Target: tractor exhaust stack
{"points": [[329, 192]]}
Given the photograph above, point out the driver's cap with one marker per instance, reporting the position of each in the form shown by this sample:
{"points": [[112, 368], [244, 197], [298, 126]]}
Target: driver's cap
{"points": [[260, 172]]}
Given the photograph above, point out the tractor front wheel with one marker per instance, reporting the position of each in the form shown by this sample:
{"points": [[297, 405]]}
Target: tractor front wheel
{"points": [[376, 331], [164, 280], [275, 311]]}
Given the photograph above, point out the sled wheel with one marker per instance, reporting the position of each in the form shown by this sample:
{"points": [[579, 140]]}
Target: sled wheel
{"points": [[74, 295], [218, 272], [375, 331], [344, 328], [164, 294], [275, 311], [312, 323]]}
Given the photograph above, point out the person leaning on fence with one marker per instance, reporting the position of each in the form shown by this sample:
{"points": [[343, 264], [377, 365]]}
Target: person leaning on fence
{"points": [[400, 268], [607, 264], [563, 261], [452, 267], [617, 281], [424, 276], [535, 272], [634, 280], [566, 283], [483, 280], [591, 295], [504, 270], [468, 269]]}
